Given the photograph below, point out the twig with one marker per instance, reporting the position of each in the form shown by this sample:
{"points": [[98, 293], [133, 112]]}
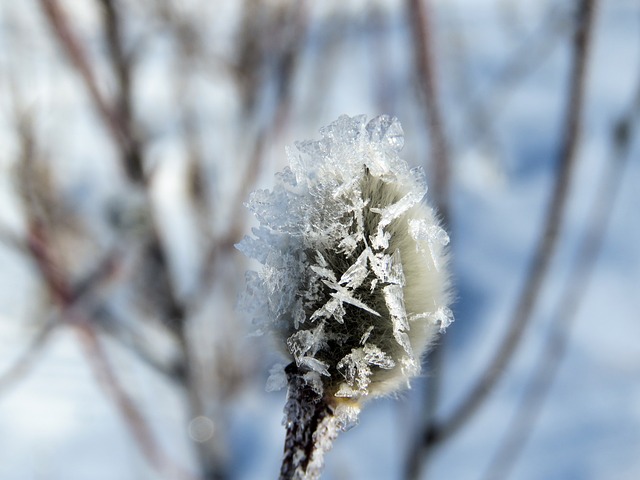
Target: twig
{"points": [[72, 47], [581, 273], [21, 367], [421, 23], [127, 336], [286, 66], [134, 420], [121, 64], [63, 294], [524, 60], [311, 429], [176, 309], [436, 433]]}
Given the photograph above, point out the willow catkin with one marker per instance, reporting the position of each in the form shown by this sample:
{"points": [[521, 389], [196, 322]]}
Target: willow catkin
{"points": [[354, 283]]}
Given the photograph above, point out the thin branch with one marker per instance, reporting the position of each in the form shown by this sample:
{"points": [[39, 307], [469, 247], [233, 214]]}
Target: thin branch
{"points": [[66, 298], [524, 60], [27, 359], [72, 47], [286, 65], [133, 418], [436, 433], [133, 159], [422, 24], [312, 427], [553, 221], [121, 64], [565, 314], [134, 340]]}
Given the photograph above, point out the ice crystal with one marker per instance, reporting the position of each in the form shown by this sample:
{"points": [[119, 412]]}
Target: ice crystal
{"points": [[356, 368], [434, 236], [443, 317], [354, 282], [277, 378]]}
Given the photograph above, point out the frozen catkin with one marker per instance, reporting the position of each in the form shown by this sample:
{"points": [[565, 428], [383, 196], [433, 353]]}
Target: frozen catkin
{"points": [[354, 282]]}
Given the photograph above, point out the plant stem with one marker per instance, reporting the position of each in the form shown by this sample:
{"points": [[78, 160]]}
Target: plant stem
{"points": [[311, 425]]}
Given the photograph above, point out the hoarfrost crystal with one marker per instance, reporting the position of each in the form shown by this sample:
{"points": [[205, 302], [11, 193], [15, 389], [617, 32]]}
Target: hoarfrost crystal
{"points": [[277, 378], [354, 282]]}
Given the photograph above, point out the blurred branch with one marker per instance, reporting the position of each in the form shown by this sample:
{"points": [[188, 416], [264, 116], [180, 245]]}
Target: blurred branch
{"points": [[66, 298], [72, 47], [422, 24], [134, 419], [133, 159], [527, 57], [565, 314], [438, 432], [290, 34], [134, 340], [41, 200], [122, 66], [27, 359], [289, 49]]}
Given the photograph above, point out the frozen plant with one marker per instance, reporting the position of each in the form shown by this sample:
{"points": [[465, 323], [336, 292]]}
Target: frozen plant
{"points": [[354, 283]]}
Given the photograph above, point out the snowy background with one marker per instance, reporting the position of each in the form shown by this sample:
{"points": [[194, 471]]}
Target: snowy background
{"points": [[219, 88]]}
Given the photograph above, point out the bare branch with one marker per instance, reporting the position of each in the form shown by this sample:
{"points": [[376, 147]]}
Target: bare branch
{"points": [[422, 24], [134, 419], [286, 64], [25, 362], [66, 298], [436, 433], [566, 311], [121, 64], [72, 47]]}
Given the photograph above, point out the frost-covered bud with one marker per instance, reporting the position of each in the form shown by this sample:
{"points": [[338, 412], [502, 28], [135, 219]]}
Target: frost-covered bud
{"points": [[354, 283]]}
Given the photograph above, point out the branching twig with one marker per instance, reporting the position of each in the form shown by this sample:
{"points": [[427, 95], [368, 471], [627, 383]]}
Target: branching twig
{"points": [[64, 295], [286, 64], [436, 433], [72, 46], [566, 311], [134, 420]]}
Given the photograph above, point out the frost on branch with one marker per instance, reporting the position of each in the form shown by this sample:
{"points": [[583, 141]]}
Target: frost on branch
{"points": [[356, 368], [353, 283], [354, 280]]}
